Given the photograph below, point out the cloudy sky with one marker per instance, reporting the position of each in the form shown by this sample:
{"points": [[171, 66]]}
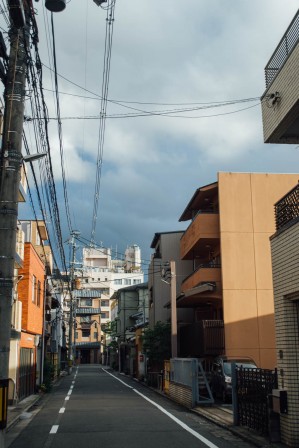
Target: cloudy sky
{"points": [[165, 55]]}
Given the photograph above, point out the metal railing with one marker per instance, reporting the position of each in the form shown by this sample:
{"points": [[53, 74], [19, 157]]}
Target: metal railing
{"points": [[253, 389], [287, 208], [283, 50]]}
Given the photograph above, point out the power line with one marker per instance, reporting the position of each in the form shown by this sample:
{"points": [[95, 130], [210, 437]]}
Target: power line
{"points": [[101, 137]]}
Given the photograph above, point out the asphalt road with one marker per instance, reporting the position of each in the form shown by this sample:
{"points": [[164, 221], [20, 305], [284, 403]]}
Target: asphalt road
{"points": [[95, 407]]}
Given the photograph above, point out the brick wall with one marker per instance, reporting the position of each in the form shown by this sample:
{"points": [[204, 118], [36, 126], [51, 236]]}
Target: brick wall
{"points": [[285, 259]]}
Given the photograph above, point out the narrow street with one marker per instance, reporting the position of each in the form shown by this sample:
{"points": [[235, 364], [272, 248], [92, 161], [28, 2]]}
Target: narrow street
{"points": [[97, 407]]}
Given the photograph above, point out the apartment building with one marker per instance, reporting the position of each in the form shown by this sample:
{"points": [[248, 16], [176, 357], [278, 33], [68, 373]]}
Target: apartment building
{"points": [[102, 274], [285, 259], [228, 244], [31, 293], [280, 101], [166, 246], [131, 305]]}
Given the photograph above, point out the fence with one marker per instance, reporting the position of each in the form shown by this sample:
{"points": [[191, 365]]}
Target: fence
{"points": [[284, 48], [183, 386], [253, 387]]}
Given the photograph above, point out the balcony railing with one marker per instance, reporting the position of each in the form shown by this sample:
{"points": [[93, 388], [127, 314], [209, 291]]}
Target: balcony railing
{"points": [[208, 265], [283, 50], [287, 208]]}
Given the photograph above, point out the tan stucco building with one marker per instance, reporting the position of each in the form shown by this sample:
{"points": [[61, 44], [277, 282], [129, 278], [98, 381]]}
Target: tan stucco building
{"points": [[228, 243]]}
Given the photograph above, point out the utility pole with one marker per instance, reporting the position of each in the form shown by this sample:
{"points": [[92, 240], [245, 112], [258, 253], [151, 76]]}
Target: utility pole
{"points": [[72, 303], [174, 331], [10, 163]]}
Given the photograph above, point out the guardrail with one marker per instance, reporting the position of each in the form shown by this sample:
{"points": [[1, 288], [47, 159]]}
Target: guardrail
{"points": [[283, 50]]}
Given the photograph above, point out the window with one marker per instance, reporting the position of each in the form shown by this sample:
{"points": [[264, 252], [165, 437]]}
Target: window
{"points": [[104, 302], [86, 302], [105, 314], [85, 319], [85, 333], [117, 281], [136, 281], [39, 288], [127, 281], [95, 335], [76, 334], [34, 285]]}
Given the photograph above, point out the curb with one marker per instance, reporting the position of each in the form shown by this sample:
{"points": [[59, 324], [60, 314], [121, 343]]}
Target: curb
{"points": [[15, 419]]}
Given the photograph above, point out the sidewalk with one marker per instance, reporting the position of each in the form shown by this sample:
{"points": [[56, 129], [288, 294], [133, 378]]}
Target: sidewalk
{"points": [[18, 411], [223, 416]]}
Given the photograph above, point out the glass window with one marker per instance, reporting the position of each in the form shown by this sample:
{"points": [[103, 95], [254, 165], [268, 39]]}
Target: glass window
{"points": [[85, 333], [127, 281], [85, 319], [95, 335], [86, 302], [33, 296], [104, 302], [136, 281], [118, 281], [38, 293]]}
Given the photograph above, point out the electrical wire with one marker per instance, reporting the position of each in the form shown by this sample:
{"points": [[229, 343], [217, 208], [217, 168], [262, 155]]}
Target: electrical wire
{"points": [[67, 207], [102, 125]]}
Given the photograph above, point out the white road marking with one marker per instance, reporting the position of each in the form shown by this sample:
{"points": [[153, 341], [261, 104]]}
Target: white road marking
{"points": [[67, 398], [130, 387], [54, 429], [71, 387], [70, 392], [73, 382], [61, 410], [179, 422], [175, 419]]}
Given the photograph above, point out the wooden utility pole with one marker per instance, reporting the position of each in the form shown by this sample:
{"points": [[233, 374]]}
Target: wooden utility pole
{"points": [[10, 164]]}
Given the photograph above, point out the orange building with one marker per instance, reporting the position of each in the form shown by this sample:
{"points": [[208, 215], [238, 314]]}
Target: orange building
{"points": [[31, 288], [231, 282]]}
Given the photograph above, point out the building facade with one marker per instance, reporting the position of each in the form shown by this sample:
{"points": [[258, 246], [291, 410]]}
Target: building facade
{"points": [[285, 260], [228, 243]]}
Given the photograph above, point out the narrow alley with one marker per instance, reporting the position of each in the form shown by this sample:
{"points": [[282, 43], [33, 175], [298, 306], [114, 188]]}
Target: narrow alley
{"points": [[95, 407]]}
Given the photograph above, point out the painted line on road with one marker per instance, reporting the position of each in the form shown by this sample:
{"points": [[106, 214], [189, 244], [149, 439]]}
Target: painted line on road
{"points": [[179, 422], [71, 387], [125, 384], [175, 419], [61, 410], [70, 392], [54, 429], [73, 382], [66, 398]]}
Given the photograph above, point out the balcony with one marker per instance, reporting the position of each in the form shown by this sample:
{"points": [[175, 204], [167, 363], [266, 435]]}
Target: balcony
{"points": [[202, 338], [201, 286], [280, 102], [203, 230], [287, 208], [205, 273]]}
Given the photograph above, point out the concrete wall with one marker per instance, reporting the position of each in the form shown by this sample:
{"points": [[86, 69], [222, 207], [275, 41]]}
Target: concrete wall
{"points": [[169, 248], [246, 206]]}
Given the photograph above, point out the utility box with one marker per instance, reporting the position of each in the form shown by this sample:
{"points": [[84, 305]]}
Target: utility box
{"points": [[280, 401]]}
